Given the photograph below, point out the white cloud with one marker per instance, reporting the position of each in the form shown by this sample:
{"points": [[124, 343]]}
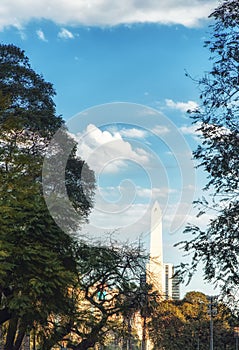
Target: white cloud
{"points": [[215, 130], [160, 130], [190, 129], [178, 215], [65, 34], [133, 219], [105, 12], [181, 106], [128, 222], [41, 35], [155, 193], [134, 133], [107, 152]]}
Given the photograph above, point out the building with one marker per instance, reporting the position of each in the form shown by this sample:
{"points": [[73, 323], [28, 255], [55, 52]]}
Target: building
{"points": [[176, 288], [168, 274], [172, 283]]}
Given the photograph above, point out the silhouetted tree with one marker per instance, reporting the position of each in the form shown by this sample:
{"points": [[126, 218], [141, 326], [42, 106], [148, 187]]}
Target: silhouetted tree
{"points": [[37, 257], [217, 120]]}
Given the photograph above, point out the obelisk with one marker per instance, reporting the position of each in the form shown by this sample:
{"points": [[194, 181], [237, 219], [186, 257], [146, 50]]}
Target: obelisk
{"points": [[155, 266]]}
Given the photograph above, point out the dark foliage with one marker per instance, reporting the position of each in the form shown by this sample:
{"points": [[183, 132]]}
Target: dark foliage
{"points": [[217, 245]]}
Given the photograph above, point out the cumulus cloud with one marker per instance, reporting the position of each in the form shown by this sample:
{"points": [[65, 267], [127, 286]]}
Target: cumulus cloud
{"points": [[105, 12], [41, 35], [191, 129], [155, 193], [65, 34], [181, 106], [184, 213], [132, 218], [125, 223], [160, 130], [134, 133], [106, 151]]}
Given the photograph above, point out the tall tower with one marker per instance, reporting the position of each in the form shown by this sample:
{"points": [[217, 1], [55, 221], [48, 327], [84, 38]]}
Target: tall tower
{"points": [[155, 266]]}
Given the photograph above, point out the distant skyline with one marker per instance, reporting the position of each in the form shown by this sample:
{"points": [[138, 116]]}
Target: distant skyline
{"points": [[127, 63]]}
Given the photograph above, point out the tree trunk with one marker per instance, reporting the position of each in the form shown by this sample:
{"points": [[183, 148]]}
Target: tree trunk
{"points": [[4, 316], [11, 333], [20, 336], [129, 333], [86, 344], [144, 340], [125, 338]]}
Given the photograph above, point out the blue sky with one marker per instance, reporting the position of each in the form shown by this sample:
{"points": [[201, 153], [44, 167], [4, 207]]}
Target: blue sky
{"points": [[119, 74]]}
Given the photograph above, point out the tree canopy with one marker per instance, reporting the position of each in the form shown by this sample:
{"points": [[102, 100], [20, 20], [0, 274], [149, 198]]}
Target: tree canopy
{"points": [[216, 245], [37, 258], [186, 324], [51, 283]]}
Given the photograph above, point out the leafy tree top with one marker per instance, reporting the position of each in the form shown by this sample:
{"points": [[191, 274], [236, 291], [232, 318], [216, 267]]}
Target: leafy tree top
{"points": [[216, 246]]}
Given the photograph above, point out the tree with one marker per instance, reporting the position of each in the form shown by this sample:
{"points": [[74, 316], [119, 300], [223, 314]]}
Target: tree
{"points": [[108, 286], [186, 324], [195, 306], [37, 258], [166, 327], [216, 246], [149, 301]]}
